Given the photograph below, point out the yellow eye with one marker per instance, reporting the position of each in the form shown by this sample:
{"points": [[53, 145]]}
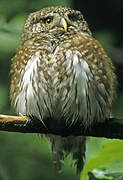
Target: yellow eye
{"points": [[48, 21]]}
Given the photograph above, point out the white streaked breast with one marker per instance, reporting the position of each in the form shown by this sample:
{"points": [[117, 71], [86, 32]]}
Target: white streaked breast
{"points": [[31, 100], [84, 101]]}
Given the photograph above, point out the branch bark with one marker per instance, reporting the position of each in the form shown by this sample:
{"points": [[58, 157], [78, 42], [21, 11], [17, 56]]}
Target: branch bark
{"points": [[111, 128]]}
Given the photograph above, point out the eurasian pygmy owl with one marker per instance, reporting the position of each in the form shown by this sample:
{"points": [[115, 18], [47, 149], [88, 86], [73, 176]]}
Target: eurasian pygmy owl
{"points": [[62, 73]]}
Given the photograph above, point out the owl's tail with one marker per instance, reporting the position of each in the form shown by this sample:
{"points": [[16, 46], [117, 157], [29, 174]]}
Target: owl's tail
{"points": [[63, 146]]}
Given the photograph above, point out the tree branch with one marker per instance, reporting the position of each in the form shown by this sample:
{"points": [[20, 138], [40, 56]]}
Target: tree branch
{"points": [[111, 128]]}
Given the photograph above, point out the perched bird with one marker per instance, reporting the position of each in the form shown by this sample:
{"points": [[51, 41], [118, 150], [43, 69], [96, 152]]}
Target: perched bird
{"points": [[62, 73]]}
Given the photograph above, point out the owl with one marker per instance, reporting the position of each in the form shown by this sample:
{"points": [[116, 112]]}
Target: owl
{"points": [[61, 73]]}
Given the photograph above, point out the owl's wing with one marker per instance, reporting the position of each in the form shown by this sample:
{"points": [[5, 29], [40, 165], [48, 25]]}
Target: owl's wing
{"points": [[28, 85], [89, 80]]}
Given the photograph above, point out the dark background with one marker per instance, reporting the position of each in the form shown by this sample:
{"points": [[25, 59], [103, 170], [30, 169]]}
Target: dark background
{"points": [[25, 156]]}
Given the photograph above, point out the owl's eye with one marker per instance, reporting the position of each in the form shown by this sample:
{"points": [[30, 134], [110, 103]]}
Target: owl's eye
{"points": [[73, 16], [48, 19]]}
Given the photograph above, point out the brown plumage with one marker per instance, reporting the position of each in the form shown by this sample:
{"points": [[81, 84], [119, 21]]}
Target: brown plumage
{"points": [[62, 73]]}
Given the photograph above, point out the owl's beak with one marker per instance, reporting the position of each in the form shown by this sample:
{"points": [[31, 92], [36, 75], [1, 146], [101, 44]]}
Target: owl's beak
{"points": [[63, 23]]}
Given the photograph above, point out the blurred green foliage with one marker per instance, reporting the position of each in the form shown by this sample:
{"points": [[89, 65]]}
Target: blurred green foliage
{"points": [[25, 156], [107, 158]]}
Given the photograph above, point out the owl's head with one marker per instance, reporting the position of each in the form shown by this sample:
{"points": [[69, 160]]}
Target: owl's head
{"points": [[54, 19]]}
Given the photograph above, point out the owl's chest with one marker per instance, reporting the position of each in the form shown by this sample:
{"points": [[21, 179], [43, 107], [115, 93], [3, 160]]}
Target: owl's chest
{"points": [[58, 85]]}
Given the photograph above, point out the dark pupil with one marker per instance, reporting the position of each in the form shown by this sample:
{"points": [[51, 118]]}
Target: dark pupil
{"points": [[73, 17], [48, 20]]}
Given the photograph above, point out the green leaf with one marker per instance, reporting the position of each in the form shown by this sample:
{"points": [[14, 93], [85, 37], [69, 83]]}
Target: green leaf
{"points": [[108, 160]]}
